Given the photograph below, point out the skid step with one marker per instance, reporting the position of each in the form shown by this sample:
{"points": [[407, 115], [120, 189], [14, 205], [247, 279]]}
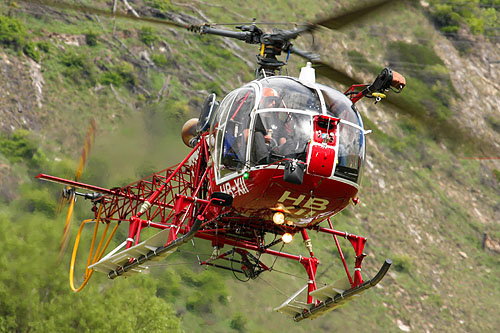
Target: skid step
{"points": [[291, 306], [113, 261], [154, 248], [330, 297], [331, 290]]}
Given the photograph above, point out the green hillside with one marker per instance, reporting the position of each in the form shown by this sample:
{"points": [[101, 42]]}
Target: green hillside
{"points": [[430, 194]]}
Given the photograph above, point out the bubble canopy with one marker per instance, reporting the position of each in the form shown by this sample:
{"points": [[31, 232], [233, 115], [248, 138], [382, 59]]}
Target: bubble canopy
{"points": [[271, 119]]}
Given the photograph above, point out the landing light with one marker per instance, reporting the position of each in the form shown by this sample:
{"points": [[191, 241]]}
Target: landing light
{"points": [[287, 238], [279, 218]]}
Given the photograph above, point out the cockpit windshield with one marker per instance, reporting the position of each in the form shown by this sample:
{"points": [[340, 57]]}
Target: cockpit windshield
{"points": [[279, 92], [233, 130], [273, 119], [280, 134], [338, 105]]}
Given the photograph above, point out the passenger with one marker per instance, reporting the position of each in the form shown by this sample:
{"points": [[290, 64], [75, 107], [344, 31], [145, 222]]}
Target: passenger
{"points": [[235, 139], [273, 130]]}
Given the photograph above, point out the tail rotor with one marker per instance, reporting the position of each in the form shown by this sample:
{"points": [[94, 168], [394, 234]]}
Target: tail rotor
{"points": [[68, 194]]}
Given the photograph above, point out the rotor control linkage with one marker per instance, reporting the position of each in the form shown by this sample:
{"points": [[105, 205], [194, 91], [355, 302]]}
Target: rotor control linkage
{"points": [[272, 44]]}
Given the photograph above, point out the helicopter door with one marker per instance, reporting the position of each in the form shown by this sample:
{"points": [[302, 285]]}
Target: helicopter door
{"points": [[233, 143]]}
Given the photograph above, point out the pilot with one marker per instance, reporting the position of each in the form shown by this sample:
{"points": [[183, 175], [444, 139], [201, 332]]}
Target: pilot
{"points": [[270, 99]]}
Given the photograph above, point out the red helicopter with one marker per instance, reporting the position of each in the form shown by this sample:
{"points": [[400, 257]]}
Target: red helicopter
{"points": [[278, 156]]}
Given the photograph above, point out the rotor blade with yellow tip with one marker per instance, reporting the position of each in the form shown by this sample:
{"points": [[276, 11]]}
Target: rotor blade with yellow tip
{"points": [[68, 193], [89, 140], [67, 227]]}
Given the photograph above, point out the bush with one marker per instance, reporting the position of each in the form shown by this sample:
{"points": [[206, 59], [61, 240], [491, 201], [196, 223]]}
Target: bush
{"points": [[12, 32], [497, 174], [43, 46], [160, 59], [238, 322], [36, 200], [19, 147], [163, 5], [30, 50], [446, 18], [402, 263], [211, 290], [169, 285], [479, 16], [494, 123], [119, 75], [148, 36], [91, 38], [78, 67]]}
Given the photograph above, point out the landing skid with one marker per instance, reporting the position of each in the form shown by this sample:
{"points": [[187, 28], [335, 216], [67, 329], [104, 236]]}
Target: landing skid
{"points": [[131, 260], [329, 297]]}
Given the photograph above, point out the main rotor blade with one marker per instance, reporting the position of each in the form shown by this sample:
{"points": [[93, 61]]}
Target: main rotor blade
{"points": [[359, 13], [446, 129], [338, 21], [97, 11], [324, 69]]}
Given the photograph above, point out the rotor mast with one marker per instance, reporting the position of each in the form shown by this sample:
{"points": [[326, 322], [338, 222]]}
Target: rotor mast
{"points": [[271, 44]]}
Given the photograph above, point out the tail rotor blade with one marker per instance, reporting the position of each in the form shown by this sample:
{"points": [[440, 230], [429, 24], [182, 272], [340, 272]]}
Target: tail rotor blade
{"points": [[89, 140], [68, 193], [61, 203], [67, 227]]}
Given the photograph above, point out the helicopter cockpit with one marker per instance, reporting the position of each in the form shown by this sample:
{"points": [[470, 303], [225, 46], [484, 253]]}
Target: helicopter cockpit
{"points": [[273, 119]]}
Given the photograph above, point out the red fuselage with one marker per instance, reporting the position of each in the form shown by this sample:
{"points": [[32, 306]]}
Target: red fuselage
{"points": [[264, 192]]}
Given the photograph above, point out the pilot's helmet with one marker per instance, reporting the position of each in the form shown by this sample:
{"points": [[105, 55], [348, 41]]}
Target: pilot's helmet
{"points": [[270, 98]]}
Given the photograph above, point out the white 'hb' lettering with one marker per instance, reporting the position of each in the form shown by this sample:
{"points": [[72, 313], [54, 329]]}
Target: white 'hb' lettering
{"points": [[286, 196], [317, 204]]}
